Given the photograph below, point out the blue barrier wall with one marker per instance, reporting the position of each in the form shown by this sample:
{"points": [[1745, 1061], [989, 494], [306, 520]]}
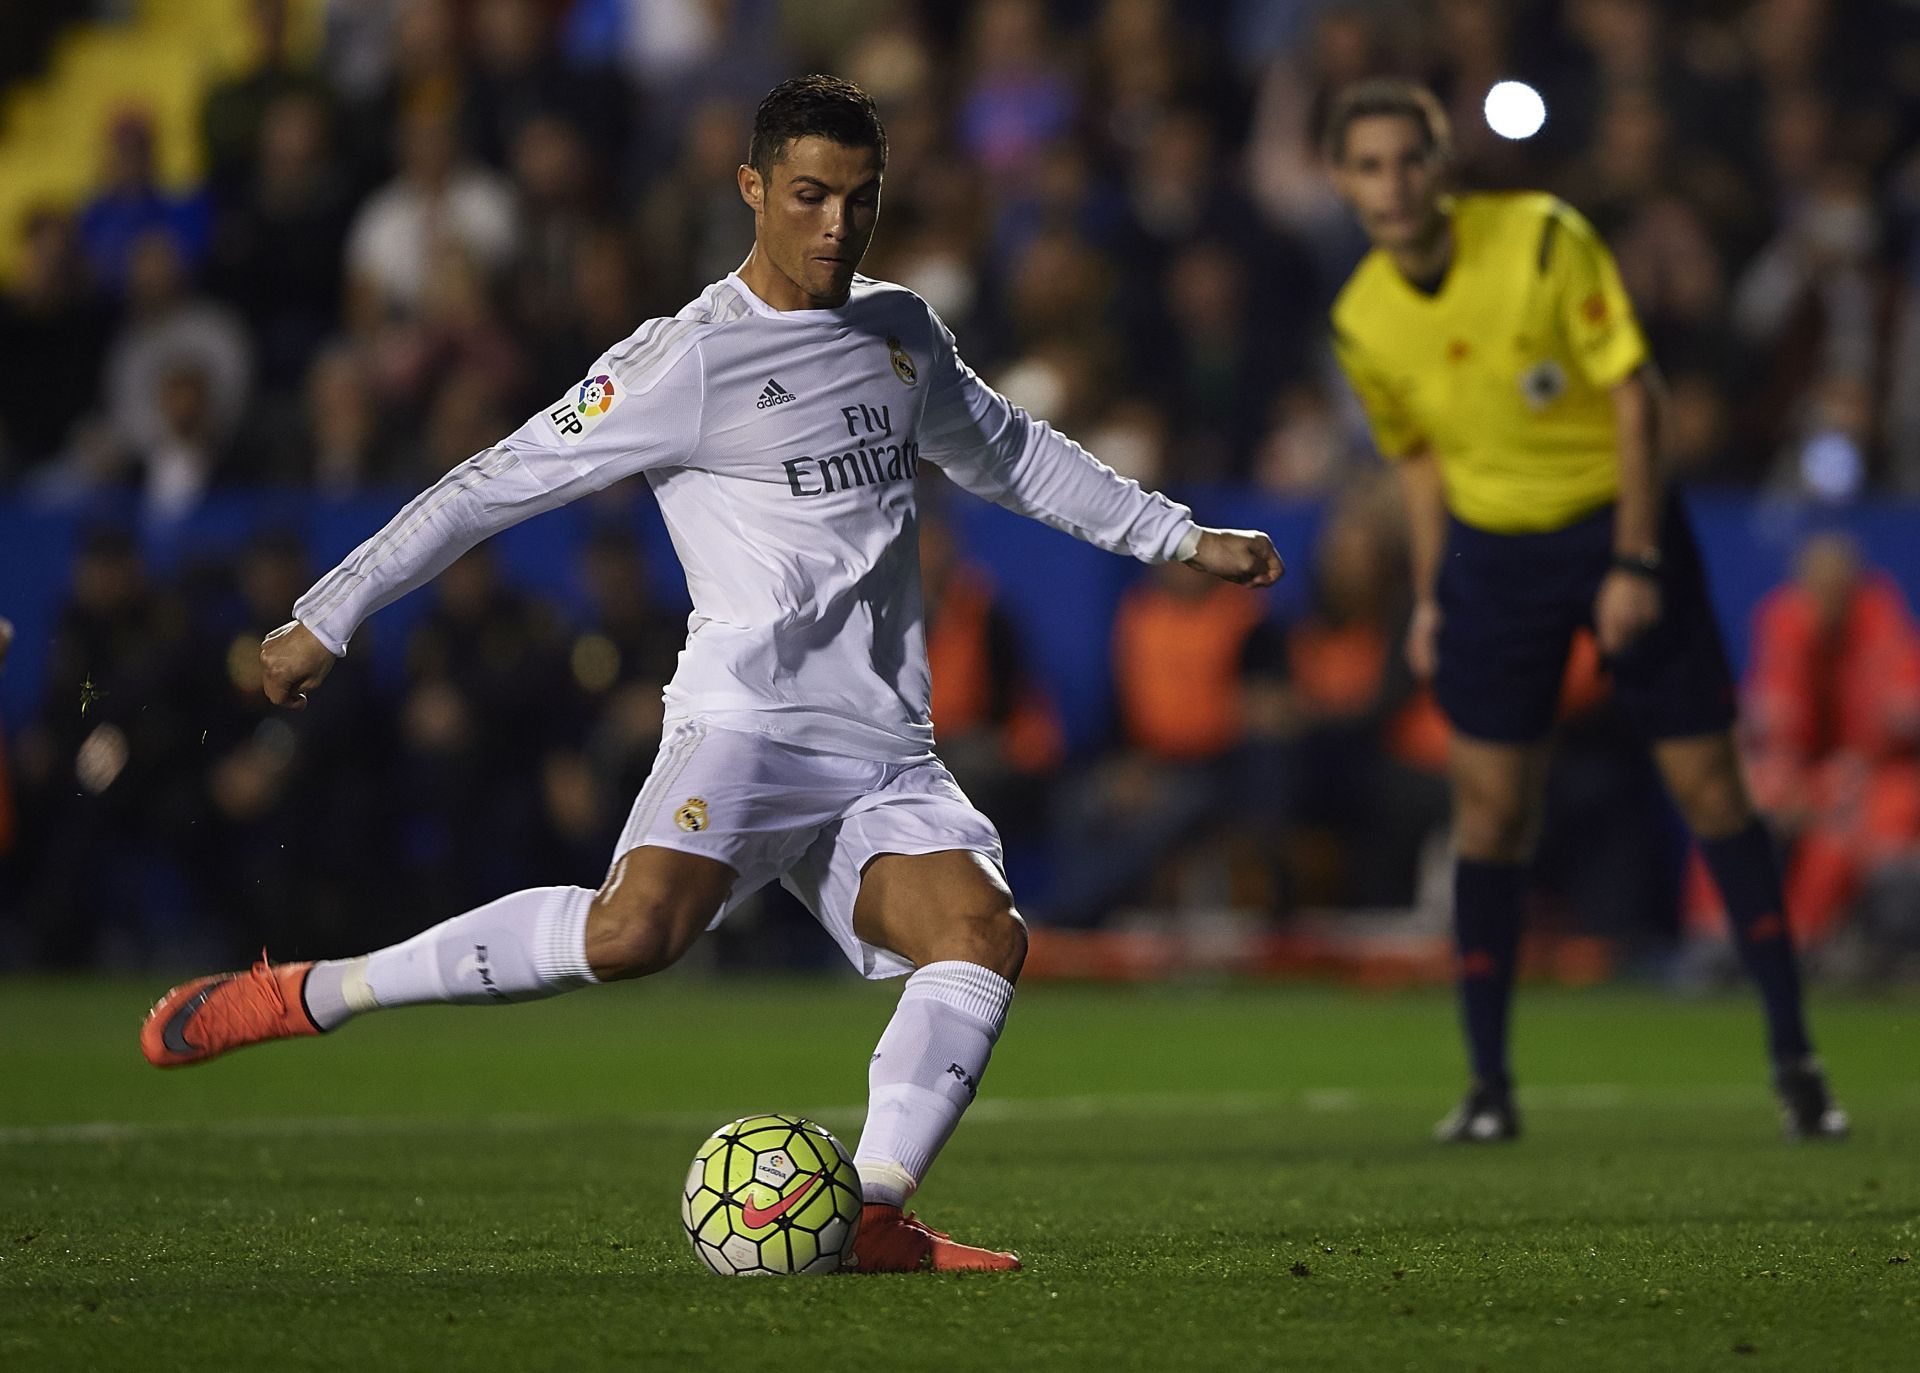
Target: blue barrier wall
{"points": [[1060, 592]]}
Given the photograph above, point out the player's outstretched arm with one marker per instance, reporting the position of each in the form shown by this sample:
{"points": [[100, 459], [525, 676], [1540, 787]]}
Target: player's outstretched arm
{"points": [[993, 448], [638, 408], [1245, 557], [292, 663]]}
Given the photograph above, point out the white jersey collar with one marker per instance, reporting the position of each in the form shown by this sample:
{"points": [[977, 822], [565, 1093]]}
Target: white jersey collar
{"points": [[760, 307]]}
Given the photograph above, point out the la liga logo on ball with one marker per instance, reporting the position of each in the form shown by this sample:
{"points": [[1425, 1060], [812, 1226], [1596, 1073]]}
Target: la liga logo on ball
{"points": [[771, 1194]]}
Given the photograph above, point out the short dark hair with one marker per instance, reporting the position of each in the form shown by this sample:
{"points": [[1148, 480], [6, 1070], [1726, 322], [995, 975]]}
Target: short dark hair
{"points": [[818, 106], [1386, 95]]}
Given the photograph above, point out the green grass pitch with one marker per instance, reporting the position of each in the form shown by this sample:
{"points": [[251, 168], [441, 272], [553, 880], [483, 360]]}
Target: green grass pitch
{"points": [[1223, 1177]]}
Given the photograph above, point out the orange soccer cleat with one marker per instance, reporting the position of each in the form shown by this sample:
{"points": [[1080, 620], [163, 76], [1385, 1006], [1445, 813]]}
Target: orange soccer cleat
{"points": [[890, 1242], [204, 1018]]}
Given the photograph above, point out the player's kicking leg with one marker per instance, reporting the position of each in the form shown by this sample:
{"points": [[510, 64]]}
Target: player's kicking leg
{"points": [[524, 947], [951, 916], [1703, 774]]}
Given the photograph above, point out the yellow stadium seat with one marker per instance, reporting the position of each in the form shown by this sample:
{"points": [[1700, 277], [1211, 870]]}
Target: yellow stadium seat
{"points": [[53, 130]]}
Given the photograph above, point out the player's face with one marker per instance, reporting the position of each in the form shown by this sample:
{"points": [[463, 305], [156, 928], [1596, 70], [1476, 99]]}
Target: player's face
{"points": [[1391, 179], [813, 215]]}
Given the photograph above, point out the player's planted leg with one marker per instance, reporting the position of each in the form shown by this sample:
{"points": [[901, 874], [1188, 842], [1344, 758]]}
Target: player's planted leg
{"points": [[523, 947], [951, 915]]}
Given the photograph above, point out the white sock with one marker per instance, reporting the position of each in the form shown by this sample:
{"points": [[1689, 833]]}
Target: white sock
{"points": [[925, 1071], [523, 947]]}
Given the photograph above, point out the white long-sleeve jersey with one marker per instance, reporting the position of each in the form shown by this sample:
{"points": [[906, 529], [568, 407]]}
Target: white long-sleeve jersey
{"points": [[782, 447]]}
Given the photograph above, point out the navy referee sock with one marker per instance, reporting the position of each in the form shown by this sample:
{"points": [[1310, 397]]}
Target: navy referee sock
{"points": [[1487, 903], [1747, 873]]}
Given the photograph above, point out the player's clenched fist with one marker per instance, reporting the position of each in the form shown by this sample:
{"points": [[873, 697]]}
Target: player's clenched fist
{"points": [[292, 663], [1245, 556]]}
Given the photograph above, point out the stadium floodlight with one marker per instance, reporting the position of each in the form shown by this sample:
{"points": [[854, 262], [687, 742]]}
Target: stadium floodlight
{"points": [[1515, 110]]}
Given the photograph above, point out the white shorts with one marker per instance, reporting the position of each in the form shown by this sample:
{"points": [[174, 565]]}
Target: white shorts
{"points": [[772, 810]]}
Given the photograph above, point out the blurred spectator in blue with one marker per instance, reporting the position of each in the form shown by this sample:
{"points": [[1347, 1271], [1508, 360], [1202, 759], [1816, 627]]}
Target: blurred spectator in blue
{"points": [[130, 206], [676, 53], [53, 335], [1016, 97]]}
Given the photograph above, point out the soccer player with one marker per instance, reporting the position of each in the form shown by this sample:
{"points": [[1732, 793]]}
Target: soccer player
{"points": [[780, 419], [1501, 368]]}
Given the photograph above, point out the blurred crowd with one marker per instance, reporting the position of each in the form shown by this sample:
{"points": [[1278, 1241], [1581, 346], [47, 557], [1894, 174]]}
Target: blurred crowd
{"points": [[410, 239], [418, 234]]}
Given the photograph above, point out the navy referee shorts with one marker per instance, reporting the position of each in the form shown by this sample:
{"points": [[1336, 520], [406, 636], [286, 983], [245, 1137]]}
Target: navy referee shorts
{"points": [[1510, 604]]}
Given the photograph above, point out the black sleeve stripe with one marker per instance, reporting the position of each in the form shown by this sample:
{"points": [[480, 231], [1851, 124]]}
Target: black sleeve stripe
{"points": [[1548, 232]]}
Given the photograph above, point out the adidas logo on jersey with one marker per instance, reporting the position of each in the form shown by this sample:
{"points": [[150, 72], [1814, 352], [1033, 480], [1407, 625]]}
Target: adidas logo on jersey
{"points": [[774, 394]]}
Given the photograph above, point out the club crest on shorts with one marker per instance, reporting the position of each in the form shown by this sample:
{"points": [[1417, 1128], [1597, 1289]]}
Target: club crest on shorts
{"points": [[903, 367], [692, 815]]}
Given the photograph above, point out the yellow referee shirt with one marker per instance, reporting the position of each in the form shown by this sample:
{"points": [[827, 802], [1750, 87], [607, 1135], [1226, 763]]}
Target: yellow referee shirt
{"points": [[1503, 371]]}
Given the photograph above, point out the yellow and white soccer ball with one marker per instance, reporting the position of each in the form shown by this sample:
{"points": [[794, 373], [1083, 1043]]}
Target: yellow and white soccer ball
{"points": [[771, 1194]]}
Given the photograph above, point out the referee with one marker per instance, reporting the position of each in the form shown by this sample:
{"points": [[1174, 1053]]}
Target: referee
{"points": [[1500, 365]]}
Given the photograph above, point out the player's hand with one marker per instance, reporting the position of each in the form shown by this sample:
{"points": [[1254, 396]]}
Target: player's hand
{"points": [[1242, 556], [6, 638], [1627, 606], [292, 663], [1423, 640]]}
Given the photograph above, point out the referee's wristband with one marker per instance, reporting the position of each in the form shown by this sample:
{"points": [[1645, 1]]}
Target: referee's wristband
{"points": [[1646, 565]]}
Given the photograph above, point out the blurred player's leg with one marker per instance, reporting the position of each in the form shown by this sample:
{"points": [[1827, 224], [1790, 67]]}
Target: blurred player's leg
{"points": [[523, 947], [1704, 776], [1496, 791], [951, 915]]}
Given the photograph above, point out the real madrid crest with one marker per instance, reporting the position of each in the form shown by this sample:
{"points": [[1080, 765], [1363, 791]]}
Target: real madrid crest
{"points": [[692, 815], [902, 364]]}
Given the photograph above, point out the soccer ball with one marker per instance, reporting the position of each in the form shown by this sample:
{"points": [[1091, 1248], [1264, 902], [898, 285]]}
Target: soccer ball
{"points": [[771, 1194]]}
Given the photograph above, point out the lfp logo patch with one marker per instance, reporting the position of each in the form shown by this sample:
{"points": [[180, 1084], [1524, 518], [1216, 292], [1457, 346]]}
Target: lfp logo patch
{"points": [[596, 395], [574, 418]]}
